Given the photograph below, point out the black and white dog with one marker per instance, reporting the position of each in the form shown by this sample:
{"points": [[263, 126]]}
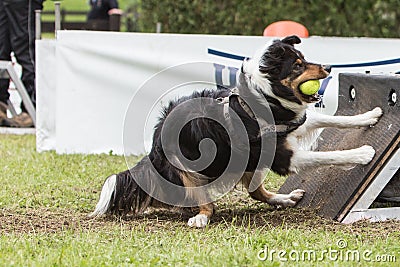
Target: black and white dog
{"points": [[267, 87]]}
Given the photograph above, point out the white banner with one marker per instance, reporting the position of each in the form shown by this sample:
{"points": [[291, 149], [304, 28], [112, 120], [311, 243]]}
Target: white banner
{"points": [[87, 80]]}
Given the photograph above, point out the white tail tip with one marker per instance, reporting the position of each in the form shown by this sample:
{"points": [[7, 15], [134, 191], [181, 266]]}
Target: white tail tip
{"points": [[105, 196]]}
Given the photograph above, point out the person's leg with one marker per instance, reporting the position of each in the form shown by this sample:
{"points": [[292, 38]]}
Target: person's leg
{"points": [[20, 41], [22, 33], [34, 5], [5, 51], [21, 24]]}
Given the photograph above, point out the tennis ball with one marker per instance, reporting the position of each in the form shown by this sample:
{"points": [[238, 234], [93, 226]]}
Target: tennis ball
{"points": [[309, 87]]}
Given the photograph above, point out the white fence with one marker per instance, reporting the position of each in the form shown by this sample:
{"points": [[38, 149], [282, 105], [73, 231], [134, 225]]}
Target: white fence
{"points": [[87, 80]]}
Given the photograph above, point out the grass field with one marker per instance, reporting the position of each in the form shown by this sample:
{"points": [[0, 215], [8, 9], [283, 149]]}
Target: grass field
{"points": [[45, 199]]}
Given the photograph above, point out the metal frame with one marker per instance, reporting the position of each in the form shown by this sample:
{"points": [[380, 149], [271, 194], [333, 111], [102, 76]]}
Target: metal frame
{"points": [[361, 210], [11, 108], [7, 71]]}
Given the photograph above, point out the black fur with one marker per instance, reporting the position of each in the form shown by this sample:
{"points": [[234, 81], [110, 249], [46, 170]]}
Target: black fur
{"points": [[128, 196], [277, 64]]}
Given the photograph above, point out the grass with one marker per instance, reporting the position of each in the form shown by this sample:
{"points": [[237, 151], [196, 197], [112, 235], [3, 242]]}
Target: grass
{"points": [[45, 197]]}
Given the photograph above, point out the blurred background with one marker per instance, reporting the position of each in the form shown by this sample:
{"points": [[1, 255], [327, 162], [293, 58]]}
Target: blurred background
{"points": [[363, 18]]}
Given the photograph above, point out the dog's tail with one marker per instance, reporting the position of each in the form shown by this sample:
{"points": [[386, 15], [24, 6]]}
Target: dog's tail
{"points": [[121, 194]]}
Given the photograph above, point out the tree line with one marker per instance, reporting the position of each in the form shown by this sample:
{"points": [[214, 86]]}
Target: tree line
{"points": [[347, 18]]}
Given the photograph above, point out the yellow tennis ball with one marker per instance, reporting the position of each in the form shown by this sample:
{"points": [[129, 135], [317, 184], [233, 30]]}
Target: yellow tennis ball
{"points": [[310, 87]]}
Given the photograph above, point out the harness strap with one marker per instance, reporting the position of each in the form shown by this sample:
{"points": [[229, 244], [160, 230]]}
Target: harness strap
{"points": [[280, 129]]}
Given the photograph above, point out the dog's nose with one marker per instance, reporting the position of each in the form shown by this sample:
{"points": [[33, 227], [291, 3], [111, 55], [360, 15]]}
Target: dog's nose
{"points": [[327, 68]]}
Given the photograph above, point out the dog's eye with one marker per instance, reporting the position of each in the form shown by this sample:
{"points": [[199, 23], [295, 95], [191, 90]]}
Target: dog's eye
{"points": [[297, 66]]}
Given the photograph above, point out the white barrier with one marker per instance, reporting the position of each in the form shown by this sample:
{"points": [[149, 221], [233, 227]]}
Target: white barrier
{"points": [[86, 80]]}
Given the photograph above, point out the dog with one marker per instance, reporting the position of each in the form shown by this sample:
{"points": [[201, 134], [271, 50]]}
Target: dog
{"points": [[264, 123]]}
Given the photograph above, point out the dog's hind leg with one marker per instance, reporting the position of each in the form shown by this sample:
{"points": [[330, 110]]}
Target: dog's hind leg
{"points": [[193, 183], [202, 218], [261, 194]]}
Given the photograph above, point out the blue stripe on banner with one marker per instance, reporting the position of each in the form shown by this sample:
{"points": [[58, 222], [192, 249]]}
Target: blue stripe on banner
{"points": [[367, 64], [224, 54], [353, 65]]}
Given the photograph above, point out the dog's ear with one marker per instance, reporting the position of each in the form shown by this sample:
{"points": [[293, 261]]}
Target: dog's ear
{"points": [[291, 40], [242, 68]]}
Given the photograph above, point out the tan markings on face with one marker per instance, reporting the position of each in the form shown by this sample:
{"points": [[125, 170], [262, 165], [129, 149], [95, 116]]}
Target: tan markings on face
{"points": [[286, 82], [312, 72]]}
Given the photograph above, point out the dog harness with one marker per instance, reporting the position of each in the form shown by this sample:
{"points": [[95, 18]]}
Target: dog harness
{"points": [[280, 129]]}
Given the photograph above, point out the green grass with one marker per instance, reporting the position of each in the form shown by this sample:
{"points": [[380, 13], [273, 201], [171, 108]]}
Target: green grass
{"points": [[49, 180], [45, 197]]}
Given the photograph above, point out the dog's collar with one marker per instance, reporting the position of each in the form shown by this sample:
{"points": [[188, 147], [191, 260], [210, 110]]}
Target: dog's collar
{"points": [[225, 101], [282, 128]]}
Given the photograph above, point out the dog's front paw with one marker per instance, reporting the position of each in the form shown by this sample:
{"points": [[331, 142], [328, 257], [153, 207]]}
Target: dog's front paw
{"points": [[296, 195], [372, 117], [364, 154], [200, 221]]}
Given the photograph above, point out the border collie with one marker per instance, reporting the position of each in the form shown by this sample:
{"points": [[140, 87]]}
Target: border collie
{"points": [[265, 126]]}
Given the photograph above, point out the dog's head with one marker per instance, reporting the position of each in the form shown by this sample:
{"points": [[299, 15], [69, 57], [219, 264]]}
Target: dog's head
{"points": [[285, 69]]}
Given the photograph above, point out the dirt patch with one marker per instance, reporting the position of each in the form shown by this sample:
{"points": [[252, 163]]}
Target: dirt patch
{"points": [[44, 220], [235, 209], [254, 215]]}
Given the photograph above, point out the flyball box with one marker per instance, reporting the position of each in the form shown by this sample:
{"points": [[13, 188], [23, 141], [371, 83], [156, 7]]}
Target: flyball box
{"points": [[335, 192]]}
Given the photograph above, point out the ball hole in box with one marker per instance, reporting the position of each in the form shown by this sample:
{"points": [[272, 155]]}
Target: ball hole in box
{"points": [[352, 93], [392, 97]]}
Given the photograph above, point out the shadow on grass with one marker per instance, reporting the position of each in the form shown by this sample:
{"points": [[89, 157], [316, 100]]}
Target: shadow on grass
{"points": [[262, 218], [241, 217]]}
